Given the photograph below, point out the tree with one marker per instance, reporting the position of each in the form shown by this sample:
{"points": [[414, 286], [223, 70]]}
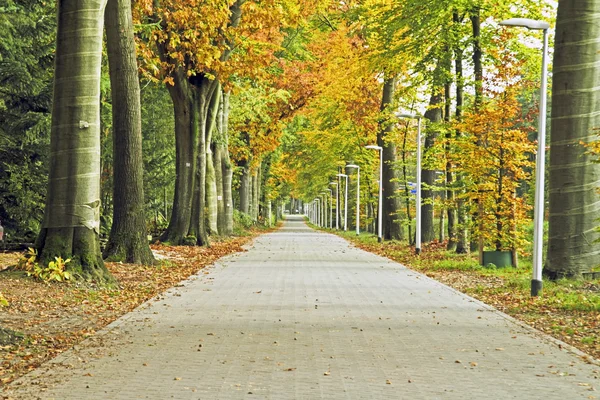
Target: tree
{"points": [[573, 245], [28, 32], [128, 237], [391, 204], [71, 216]]}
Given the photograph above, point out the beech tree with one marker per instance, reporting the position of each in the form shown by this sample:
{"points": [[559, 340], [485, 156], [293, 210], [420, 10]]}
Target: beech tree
{"points": [[71, 217], [573, 245], [128, 237]]}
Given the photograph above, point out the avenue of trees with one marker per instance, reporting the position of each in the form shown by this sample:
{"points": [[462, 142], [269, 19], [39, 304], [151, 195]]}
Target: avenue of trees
{"points": [[121, 119]]}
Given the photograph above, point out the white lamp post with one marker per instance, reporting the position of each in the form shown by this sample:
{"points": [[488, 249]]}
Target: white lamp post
{"points": [[538, 218], [418, 200], [318, 214], [345, 201], [330, 208], [324, 209], [380, 207], [337, 205], [357, 196]]}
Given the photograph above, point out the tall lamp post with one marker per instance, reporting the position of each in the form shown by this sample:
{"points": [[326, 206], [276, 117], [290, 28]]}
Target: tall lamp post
{"points": [[357, 196], [380, 205], [318, 213], [418, 200], [330, 208], [345, 201], [337, 204], [324, 209], [538, 217]]}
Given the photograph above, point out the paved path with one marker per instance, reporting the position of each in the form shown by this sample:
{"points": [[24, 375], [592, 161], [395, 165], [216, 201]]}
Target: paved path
{"points": [[303, 315]]}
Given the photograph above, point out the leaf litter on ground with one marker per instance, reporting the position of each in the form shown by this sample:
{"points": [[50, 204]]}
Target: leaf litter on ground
{"points": [[43, 320]]}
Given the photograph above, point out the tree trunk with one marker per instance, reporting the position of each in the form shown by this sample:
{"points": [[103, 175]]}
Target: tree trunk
{"points": [[218, 148], [573, 245], [204, 89], [128, 236], [391, 204], [450, 198], [211, 174], [462, 246], [245, 188], [71, 217], [186, 138], [478, 72], [434, 116], [227, 169]]}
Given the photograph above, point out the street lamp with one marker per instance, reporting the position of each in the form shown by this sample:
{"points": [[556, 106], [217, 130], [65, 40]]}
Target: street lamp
{"points": [[337, 205], [345, 201], [357, 196], [324, 209], [330, 208], [538, 217], [380, 206], [418, 200], [318, 213]]}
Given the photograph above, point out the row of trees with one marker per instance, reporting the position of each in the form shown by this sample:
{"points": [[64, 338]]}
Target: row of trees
{"points": [[477, 86], [265, 97]]}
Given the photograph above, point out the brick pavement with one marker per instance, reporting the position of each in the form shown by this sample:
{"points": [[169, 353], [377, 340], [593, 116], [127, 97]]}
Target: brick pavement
{"points": [[304, 315]]}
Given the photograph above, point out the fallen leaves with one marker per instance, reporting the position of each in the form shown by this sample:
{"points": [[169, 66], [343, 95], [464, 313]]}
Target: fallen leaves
{"points": [[54, 317]]}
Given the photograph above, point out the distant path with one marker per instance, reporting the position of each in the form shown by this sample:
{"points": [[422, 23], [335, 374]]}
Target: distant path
{"points": [[303, 315]]}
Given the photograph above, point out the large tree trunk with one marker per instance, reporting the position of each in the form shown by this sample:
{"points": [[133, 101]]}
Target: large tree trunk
{"points": [[186, 138], [128, 236], [573, 245], [434, 116], [204, 89], [227, 168], [391, 205], [71, 216]]}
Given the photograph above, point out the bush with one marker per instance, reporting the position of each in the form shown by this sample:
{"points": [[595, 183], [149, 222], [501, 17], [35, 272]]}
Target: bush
{"points": [[242, 220]]}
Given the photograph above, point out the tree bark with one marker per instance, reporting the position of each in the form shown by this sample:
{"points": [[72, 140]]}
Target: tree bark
{"points": [[71, 216], [434, 116], [227, 169], [211, 174], [574, 211], [186, 138], [462, 243], [245, 187], [392, 229], [128, 240]]}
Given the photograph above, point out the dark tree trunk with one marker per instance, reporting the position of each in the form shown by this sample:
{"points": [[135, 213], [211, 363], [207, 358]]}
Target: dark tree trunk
{"points": [[392, 229], [71, 215], [186, 138], [434, 116], [245, 187], [478, 72], [128, 240]]}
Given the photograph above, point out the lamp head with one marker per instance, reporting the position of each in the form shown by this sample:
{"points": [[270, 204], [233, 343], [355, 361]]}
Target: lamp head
{"points": [[342, 175], [352, 166], [526, 23], [373, 146], [333, 183], [405, 115]]}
